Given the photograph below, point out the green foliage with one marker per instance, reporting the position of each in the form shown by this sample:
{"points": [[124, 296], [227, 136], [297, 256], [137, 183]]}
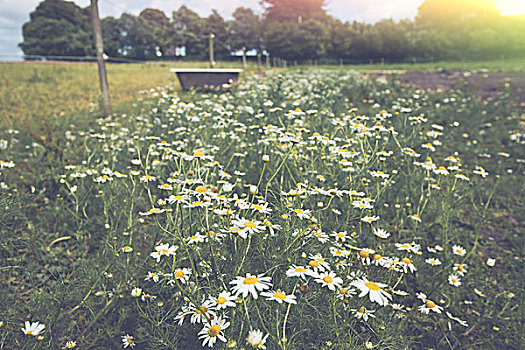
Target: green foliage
{"points": [[58, 28]]}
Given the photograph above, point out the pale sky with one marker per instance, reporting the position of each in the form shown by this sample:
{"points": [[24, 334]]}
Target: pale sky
{"points": [[14, 13]]}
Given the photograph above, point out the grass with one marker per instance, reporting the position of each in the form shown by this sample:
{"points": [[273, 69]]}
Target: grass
{"points": [[34, 92], [62, 236]]}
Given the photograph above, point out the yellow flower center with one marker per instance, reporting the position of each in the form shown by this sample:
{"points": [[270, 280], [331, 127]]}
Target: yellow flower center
{"points": [[249, 224], [164, 251], [372, 285], [313, 263], [201, 189], [199, 153], [460, 267], [29, 333], [298, 211], [364, 253], [300, 269], [279, 295], [250, 280], [377, 257], [430, 304], [197, 203], [204, 310], [362, 310], [214, 331], [328, 279], [406, 261], [221, 300], [343, 291], [258, 207], [179, 274]]}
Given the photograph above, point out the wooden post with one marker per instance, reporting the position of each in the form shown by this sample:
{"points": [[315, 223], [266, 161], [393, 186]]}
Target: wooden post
{"points": [[244, 65], [268, 61], [212, 61], [259, 60], [100, 58]]}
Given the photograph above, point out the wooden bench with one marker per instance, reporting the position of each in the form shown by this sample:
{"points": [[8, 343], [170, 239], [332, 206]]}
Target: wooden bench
{"points": [[206, 78]]}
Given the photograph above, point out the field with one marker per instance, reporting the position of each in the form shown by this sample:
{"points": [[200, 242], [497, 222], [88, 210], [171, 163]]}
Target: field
{"points": [[308, 208]]}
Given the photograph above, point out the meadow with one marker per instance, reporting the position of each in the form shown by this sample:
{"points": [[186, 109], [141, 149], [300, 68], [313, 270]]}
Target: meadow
{"points": [[307, 208]]}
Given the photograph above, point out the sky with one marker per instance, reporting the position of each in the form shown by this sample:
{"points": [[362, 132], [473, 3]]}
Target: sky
{"points": [[14, 13]]}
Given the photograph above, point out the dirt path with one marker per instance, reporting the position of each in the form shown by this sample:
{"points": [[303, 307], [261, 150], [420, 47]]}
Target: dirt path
{"points": [[485, 84]]}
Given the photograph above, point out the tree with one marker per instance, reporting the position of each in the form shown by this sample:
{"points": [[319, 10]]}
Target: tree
{"points": [[245, 30], [339, 44], [156, 21], [58, 27], [295, 10], [296, 41], [192, 30]]}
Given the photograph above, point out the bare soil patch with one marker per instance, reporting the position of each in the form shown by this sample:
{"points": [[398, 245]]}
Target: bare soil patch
{"points": [[484, 83]]}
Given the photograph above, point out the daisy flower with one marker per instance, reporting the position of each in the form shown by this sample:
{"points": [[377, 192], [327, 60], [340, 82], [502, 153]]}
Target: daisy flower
{"points": [[127, 249], [318, 263], [182, 275], [297, 271], [256, 338], [198, 314], [330, 280], [362, 205], [364, 255], [213, 331], [415, 217], [407, 264], [224, 300], [409, 247], [250, 284], [302, 214], [379, 232], [433, 262], [460, 269], [163, 249], [262, 208], [374, 291], [344, 293], [280, 297], [458, 250], [248, 227], [148, 178], [430, 305], [33, 328], [454, 280], [363, 313], [369, 219], [340, 236], [127, 340], [441, 171]]}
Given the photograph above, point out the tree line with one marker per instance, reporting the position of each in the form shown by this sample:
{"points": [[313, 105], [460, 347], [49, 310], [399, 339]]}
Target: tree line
{"points": [[294, 30]]}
